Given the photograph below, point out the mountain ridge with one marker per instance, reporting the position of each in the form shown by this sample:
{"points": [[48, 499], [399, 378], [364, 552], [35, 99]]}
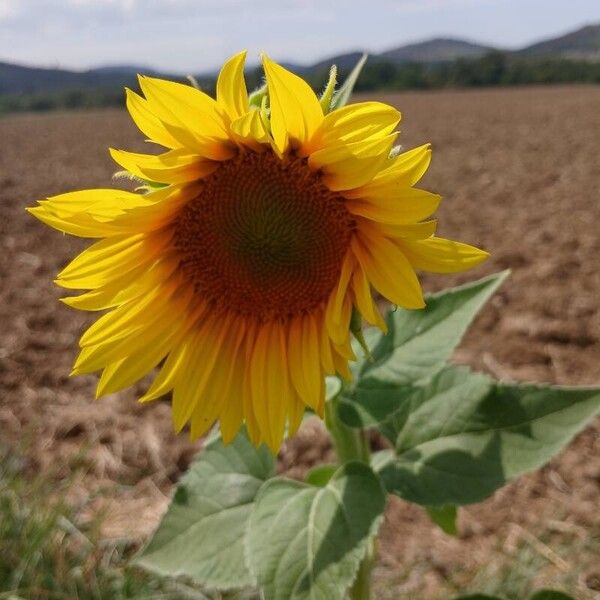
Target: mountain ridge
{"points": [[581, 44]]}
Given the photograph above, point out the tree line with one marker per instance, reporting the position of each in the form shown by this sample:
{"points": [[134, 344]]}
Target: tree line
{"points": [[492, 69]]}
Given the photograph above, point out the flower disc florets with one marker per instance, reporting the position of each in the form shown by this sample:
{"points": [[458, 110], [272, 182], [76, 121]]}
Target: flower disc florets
{"points": [[265, 237]]}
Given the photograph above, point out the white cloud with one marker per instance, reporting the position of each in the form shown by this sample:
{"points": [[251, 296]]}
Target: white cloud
{"points": [[8, 9], [127, 6], [434, 5]]}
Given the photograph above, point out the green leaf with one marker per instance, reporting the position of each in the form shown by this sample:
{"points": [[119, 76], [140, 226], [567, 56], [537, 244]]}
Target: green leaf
{"points": [[333, 386], [417, 345], [201, 534], [550, 595], [327, 95], [320, 475], [445, 517], [342, 96], [306, 543], [462, 435], [419, 342], [255, 98]]}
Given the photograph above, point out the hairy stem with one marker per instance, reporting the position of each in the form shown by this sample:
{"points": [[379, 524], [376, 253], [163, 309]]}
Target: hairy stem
{"points": [[352, 444]]}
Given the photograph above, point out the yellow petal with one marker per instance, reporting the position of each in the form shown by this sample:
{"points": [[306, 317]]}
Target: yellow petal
{"points": [[395, 206], [297, 410], [304, 359], [232, 412], [403, 170], [222, 393], [439, 255], [159, 210], [105, 200], [250, 129], [110, 258], [170, 371], [364, 299], [193, 118], [130, 317], [126, 371], [341, 366], [295, 110], [128, 286], [103, 212], [190, 390], [325, 349], [410, 231], [231, 87], [342, 286], [277, 390], [338, 321], [246, 353], [258, 374], [175, 166], [135, 337], [347, 166], [389, 271], [312, 373], [82, 225], [147, 122], [355, 123]]}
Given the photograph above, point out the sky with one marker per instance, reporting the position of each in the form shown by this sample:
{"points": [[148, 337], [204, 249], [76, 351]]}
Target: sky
{"points": [[194, 36]]}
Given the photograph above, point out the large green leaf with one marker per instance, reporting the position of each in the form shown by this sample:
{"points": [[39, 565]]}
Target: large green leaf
{"points": [[462, 435], [201, 535], [306, 543], [419, 342]]}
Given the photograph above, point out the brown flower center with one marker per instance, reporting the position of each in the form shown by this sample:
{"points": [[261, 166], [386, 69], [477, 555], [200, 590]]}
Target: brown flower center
{"points": [[264, 238]]}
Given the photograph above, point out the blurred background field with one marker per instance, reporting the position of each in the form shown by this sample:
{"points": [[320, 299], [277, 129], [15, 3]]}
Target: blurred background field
{"points": [[83, 483], [519, 172]]}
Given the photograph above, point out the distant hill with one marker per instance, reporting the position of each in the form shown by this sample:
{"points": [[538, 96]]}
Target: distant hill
{"points": [[127, 70], [435, 50], [20, 79], [17, 79], [344, 62], [583, 44]]}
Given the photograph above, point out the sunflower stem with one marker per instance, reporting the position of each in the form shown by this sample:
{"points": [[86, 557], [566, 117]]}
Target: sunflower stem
{"points": [[352, 444], [361, 588]]}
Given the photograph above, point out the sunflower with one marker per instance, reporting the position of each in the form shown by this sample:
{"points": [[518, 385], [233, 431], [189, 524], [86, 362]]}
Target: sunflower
{"points": [[264, 225]]}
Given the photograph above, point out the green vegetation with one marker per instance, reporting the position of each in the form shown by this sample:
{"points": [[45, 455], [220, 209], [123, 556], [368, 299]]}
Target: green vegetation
{"points": [[493, 69], [61, 100], [47, 555]]}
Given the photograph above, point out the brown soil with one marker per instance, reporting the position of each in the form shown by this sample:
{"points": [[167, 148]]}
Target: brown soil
{"points": [[520, 173]]}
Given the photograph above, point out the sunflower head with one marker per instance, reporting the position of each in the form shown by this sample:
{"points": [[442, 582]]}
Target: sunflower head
{"points": [[264, 226]]}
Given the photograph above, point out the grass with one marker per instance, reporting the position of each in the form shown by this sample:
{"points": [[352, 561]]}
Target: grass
{"points": [[550, 561], [45, 555]]}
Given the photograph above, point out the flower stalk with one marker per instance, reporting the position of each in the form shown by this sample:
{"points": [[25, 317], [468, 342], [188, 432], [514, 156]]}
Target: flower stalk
{"points": [[352, 445]]}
